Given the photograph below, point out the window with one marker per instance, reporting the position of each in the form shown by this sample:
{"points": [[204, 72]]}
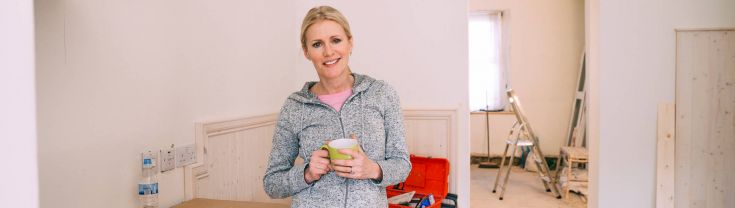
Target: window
{"points": [[487, 82]]}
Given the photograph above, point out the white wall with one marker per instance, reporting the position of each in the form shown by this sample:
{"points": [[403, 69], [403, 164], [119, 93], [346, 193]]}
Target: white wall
{"points": [[592, 47], [17, 106], [116, 78], [636, 72], [546, 42], [499, 127]]}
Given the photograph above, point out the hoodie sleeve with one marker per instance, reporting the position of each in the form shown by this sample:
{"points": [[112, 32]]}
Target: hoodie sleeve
{"points": [[283, 178], [396, 165]]}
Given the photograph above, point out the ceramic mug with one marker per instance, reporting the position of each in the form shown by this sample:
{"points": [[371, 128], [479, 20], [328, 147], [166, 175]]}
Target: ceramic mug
{"points": [[334, 146]]}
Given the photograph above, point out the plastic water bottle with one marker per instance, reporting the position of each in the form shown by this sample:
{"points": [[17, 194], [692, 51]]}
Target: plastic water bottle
{"points": [[148, 187]]}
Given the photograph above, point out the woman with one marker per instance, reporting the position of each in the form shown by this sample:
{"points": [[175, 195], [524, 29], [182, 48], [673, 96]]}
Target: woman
{"points": [[340, 105]]}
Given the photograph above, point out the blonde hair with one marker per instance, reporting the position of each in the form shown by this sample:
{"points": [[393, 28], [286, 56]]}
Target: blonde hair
{"points": [[321, 13]]}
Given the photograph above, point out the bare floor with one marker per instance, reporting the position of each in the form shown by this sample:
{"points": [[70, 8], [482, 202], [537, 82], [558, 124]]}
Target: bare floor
{"points": [[524, 190]]}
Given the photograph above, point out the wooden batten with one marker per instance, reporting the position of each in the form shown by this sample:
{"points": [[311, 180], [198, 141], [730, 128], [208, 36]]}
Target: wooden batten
{"points": [[665, 155]]}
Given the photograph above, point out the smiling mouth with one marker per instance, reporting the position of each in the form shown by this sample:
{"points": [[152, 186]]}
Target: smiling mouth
{"points": [[332, 62]]}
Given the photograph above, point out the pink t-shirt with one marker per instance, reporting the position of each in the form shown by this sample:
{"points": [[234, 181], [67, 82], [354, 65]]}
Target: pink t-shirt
{"points": [[335, 100]]}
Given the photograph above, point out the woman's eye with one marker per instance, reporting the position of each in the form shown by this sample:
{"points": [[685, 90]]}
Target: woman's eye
{"points": [[316, 45], [336, 40]]}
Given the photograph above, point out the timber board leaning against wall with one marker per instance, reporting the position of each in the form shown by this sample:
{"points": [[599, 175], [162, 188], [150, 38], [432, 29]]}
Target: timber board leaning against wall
{"points": [[705, 118]]}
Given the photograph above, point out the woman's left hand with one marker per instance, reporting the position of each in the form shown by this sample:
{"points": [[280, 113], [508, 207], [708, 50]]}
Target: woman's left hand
{"points": [[360, 167]]}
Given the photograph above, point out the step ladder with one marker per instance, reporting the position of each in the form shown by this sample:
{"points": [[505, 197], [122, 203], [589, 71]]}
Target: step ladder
{"points": [[521, 134]]}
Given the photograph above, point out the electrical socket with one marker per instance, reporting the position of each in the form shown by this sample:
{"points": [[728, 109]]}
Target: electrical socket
{"points": [[186, 155], [168, 159]]}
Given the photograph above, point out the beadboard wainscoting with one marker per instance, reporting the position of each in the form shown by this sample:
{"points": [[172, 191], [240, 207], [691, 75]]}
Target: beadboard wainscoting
{"points": [[232, 157], [233, 154]]}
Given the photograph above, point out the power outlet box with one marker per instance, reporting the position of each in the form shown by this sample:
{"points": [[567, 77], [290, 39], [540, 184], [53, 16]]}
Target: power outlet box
{"points": [[186, 155], [168, 159]]}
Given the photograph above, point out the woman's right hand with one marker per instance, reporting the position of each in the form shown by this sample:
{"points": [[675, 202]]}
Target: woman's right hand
{"points": [[318, 166]]}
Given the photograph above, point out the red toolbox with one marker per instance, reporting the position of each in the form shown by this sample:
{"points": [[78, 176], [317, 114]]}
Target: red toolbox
{"points": [[427, 176]]}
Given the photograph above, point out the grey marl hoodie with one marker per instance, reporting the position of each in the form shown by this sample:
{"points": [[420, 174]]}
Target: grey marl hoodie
{"points": [[372, 113]]}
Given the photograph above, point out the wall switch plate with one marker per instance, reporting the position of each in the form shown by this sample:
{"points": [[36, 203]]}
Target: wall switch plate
{"points": [[186, 155], [168, 159]]}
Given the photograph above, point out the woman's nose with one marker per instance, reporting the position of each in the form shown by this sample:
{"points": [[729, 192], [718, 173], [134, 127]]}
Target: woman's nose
{"points": [[328, 50]]}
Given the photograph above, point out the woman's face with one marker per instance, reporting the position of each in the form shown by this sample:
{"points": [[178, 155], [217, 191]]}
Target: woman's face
{"points": [[328, 48]]}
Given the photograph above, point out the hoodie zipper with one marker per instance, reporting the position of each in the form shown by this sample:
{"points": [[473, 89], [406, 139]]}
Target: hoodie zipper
{"points": [[344, 135]]}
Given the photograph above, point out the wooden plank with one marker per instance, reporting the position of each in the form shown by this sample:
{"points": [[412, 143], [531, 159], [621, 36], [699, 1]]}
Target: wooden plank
{"points": [[665, 155], [705, 127], [714, 196], [722, 186], [684, 79], [212, 203], [700, 131], [728, 146]]}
